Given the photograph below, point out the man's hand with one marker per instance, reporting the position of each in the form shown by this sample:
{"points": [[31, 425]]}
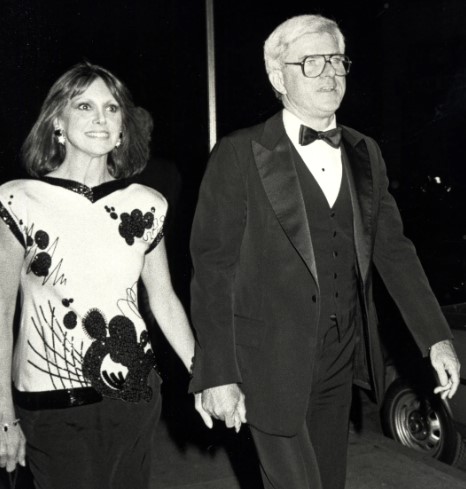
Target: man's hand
{"points": [[445, 362], [225, 402]]}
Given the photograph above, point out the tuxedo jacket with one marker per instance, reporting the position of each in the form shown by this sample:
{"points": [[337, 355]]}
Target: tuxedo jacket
{"points": [[255, 289]]}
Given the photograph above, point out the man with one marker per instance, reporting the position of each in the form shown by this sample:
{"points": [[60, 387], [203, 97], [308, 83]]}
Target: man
{"points": [[289, 223]]}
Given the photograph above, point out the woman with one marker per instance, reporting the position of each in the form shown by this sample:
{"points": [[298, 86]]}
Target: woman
{"points": [[75, 241]]}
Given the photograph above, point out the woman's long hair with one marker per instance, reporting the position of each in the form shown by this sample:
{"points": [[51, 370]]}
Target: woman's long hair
{"points": [[41, 151]]}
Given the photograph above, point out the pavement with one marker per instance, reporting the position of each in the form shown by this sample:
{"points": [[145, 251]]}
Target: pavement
{"points": [[229, 461], [373, 462], [378, 462], [188, 456]]}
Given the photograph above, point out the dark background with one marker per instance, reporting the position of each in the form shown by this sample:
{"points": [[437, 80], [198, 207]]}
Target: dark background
{"points": [[407, 89]]}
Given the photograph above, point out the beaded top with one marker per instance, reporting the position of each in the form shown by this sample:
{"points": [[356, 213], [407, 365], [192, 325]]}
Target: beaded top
{"points": [[80, 322]]}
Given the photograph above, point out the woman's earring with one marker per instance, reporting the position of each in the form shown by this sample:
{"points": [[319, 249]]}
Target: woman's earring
{"points": [[60, 136], [118, 143]]}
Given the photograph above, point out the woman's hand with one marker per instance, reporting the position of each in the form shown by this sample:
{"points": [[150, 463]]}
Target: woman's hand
{"points": [[204, 415], [12, 445], [12, 441]]}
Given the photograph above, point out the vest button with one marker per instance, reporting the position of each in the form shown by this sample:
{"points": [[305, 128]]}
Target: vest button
{"points": [[314, 298]]}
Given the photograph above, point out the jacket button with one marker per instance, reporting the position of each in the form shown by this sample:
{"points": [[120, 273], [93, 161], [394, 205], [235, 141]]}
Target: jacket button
{"points": [[314, 298]]}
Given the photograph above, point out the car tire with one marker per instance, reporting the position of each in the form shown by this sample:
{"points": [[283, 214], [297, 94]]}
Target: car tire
{"points": [[421, 422]]}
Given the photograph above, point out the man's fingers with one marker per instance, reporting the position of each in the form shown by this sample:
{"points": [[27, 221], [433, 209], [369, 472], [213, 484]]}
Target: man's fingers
{"points": [[453, 389], [445, 386], [448, 376], [240, 413], [220, 402], [443, 390], [241, 410], [225, 403], [442, 375], [454, 380], [230, 420], [238, 422], [449, 382]]}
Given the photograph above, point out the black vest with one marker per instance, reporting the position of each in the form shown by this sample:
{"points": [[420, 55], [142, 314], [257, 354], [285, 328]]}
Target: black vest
{"points": [[333, 242]]}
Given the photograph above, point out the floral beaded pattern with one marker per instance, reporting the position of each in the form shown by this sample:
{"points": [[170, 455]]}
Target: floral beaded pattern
{"points": [[135, 224], [80, 322], [117, 363], [39, 250], [41, 257]]}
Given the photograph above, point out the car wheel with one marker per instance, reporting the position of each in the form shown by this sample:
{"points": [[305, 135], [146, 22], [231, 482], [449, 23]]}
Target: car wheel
{"points": [[421, 422]]}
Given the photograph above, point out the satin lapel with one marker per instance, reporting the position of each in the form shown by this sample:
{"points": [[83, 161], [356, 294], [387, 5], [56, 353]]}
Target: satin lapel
{"points": [[357, 163], [281, 184]]}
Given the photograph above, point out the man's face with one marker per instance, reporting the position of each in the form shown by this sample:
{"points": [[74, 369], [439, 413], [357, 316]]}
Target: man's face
{"points": [[314, 99]]}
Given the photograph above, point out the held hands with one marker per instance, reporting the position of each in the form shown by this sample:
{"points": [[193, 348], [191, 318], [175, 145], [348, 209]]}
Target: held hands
{"points": [[445, 362], [12, 445], [225, 402]]}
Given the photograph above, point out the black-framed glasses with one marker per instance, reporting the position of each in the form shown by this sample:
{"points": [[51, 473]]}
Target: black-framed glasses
{"points": [[314, 65]]}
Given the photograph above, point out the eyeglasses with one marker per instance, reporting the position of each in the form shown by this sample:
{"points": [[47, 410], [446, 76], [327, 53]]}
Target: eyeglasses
{"points": [[314, 65]]}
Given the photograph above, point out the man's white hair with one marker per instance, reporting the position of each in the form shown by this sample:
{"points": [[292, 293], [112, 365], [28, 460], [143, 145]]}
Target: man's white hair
{"points": [[277, 43]]}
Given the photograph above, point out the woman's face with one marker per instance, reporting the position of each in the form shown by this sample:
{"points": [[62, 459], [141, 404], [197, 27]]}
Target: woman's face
{"points": [[91, 122]]}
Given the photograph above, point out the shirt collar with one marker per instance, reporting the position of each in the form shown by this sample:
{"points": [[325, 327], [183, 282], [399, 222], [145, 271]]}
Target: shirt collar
{"points": [[292, 125]]}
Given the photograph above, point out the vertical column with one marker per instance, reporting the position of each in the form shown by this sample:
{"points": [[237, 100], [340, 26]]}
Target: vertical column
{"points": [[211, 73]]}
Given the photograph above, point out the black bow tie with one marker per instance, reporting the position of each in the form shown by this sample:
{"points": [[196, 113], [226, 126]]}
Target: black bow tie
{"points": [[308, 135]]}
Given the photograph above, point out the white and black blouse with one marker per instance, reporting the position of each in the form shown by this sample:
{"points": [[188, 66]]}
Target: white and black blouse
{"points": [[84, 251]]}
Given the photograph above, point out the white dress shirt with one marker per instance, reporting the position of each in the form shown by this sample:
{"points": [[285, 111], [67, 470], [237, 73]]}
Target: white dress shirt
{"points": [[323, 161]]}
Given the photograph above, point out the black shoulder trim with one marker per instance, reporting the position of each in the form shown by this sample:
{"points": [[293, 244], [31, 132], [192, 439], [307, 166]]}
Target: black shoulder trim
{"points": [[156, 241], [11, 223]]}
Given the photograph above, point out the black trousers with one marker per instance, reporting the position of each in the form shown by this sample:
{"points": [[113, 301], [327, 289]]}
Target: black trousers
{"points": [[315, 458], [107, 445]]}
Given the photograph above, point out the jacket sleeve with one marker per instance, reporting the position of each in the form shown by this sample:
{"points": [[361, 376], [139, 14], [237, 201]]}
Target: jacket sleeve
{"points": [[216, 238], [400, 269]]}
